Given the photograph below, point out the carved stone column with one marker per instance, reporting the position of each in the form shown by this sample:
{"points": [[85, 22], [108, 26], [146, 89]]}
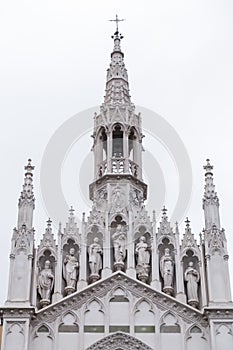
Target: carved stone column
{"points": [[131, 271], [82, 281], [107, 270]]}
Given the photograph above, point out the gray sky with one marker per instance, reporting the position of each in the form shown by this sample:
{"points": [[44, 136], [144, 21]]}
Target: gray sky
{"points": [[54, 56]]}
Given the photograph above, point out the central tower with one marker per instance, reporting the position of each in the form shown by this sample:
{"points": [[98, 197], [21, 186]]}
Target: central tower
{"points": [[118, 190]]}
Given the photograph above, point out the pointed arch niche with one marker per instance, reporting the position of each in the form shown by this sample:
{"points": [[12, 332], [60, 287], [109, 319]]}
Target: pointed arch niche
{"points": [[94, 321], [119, 321], [143, 231], [191, 255], [115, 221], [117, 141], [144, 321], [68, 332], [43, 338], [196, 339], [170, 332], [44, 255], [166, 243], [14, 336], [95, 231], [224, 336], [101, 152]]}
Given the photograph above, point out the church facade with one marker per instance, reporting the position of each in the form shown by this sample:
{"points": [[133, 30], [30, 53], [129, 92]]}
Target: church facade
{"points": [[121, 280]]}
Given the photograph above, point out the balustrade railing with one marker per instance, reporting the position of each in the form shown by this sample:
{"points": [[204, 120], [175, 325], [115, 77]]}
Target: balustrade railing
{"points": [[118, 165]]}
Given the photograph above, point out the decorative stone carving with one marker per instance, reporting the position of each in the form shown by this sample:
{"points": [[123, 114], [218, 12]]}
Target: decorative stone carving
{"points": [[136, 198], [23, 239], [167, 271], [119, 242], [216, 239], [118, 200], [165, 228], [192, 278], [45, 284], [143, 259], [95, 260], [142, 218], [71, 230], [70, 271], [95, 218], [119, 341], [100, 199]]}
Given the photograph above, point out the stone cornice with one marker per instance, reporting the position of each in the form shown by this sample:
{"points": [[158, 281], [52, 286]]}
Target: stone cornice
{"points": [[17, 312], [222, 311]]}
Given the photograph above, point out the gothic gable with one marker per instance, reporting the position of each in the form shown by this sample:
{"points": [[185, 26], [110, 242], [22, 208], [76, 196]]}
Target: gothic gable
{"points": [[104, 289]]}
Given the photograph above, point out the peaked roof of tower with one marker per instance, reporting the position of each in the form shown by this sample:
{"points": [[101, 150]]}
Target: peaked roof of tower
{"points": [[117, 86], [210, 192]]}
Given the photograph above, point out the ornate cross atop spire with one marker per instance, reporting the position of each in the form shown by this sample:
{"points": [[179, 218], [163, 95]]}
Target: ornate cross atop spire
{"points": [[49, 222], [116, 20], [187, 221], [164, 212], [71, 211]]}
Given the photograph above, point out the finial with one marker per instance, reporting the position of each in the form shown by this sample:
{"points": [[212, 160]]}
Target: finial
{"points": [[187, 221], [154, 216], [29, 167], [49, 222], [117, 20], [164, 211], [71, 210], [208, 167], [83, 218], [59, 226]]}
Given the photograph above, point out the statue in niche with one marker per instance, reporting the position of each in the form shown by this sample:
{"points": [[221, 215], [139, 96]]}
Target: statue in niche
{"points": [[192, 278], [119, 242], [167, 271], [143, 259], [70, 271], [95, 260], [45, 283], [142, 252]]}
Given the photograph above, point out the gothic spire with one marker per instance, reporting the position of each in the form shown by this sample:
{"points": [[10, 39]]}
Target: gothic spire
{"points": [[47, 240], [26, 200], [210, 199], [117, 86], [165, 228], [189, 241]]}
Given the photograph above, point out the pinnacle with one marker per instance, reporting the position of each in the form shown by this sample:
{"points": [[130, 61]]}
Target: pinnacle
{"points": [[208, 167]]}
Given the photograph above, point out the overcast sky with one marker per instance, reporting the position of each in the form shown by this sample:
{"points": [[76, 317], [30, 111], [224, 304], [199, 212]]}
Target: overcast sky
{"points": [[54, 56]]}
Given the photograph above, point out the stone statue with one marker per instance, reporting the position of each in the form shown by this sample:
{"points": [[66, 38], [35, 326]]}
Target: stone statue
{"points": [[70, 270], [95, 259], [143, 259], [119, 238], [46, 282], [192, 278], [167, 270], [141, 250]]}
